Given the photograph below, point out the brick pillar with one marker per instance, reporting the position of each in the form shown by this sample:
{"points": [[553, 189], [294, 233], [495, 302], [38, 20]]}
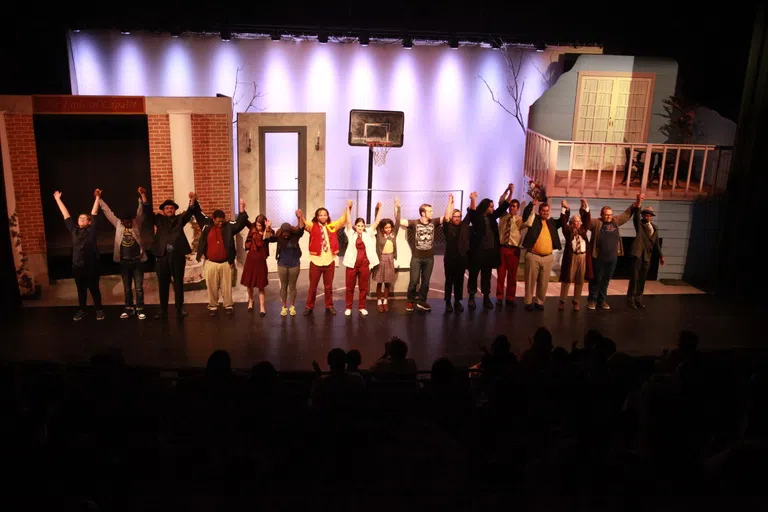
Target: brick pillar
{"points": [[212, 154], [161, 170], [26, 181]]}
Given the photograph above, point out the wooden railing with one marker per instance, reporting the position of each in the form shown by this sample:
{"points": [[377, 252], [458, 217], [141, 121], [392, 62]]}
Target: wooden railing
{"points": [[580, 168]]}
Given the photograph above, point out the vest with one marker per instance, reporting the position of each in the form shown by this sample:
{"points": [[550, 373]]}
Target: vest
{"points": [[316, 239]]}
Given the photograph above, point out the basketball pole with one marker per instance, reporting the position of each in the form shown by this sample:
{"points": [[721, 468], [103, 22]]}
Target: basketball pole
{"points": [[370, 184]]}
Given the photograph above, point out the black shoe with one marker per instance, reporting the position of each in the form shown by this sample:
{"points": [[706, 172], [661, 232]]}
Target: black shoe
{"points": [[448, 307], [529, 307], [229, 311], [331, 310], [487, 302], [422, 305], [213, 312], [458, 306], [160, 315], [180, 313], [510, 303], [471, 303], [540, 307], [79, 315], [307, 311], [631, 303], [100, 314], [639, 304], [499, 304]]}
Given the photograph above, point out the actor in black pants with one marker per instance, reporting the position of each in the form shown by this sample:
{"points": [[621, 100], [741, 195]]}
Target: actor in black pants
{"points": [[456, 256], [170, 247], [85, 256], [485, 246]]}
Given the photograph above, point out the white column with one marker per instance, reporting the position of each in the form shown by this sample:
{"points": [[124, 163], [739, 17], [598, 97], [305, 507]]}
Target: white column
{"points": [[180, 125]]}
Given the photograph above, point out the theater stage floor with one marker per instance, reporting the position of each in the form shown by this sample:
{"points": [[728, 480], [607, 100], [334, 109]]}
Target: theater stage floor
{"points": [[48, 333]]}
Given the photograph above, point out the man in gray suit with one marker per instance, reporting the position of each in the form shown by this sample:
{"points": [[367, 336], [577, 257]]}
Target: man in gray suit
{"points": [[645, 243]]}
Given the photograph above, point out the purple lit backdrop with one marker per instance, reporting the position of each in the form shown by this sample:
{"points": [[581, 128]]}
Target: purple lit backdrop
{"points": [[456, 137]]}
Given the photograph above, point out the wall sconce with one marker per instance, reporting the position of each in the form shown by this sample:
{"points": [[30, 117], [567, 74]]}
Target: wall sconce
{"points": [[248, 146], [317, 142]]}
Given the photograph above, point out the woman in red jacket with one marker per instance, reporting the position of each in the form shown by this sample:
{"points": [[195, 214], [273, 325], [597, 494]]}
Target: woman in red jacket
{"points": [[255, 273]]}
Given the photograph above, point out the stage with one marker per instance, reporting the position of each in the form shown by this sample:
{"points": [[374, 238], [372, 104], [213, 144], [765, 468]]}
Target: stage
{"points": [[291, 343]]}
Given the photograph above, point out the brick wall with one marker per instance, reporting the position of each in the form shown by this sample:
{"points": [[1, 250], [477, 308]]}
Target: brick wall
{"points": [[212, 157], [161, 170], [26, 181]]}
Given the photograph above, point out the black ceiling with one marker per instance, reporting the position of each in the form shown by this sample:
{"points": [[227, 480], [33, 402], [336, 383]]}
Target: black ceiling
{"points": [[711, 45]]}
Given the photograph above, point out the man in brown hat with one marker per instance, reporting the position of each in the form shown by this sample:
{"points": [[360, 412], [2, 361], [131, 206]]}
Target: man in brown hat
{"points": [[645, 243]]}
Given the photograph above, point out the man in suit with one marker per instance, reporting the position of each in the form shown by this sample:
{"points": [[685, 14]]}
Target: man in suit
{"points": [[170, 247], [645, 243], [540, 242]]}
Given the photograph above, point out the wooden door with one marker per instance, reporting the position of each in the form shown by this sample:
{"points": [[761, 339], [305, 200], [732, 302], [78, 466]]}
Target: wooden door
{"points": [[610, 109]]}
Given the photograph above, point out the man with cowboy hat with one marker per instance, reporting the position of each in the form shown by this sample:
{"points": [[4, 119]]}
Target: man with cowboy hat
{"points": [[170, 247], [645, 243], [129, 253]]}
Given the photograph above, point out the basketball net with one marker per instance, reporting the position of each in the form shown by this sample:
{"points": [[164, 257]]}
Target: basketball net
{"points": [[380, 150]]}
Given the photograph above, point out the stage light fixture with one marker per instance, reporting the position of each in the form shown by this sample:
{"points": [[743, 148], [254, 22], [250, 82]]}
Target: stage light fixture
{"points": [[125, 31], [276, 36], [322, 37], [495, 44], [176, 32], [364, 39], [541, 47], [226, 35], [453, 42], [407, 42]]}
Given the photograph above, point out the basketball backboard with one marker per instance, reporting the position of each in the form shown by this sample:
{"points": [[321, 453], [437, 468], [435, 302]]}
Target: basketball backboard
{"points": [[376, 126]]}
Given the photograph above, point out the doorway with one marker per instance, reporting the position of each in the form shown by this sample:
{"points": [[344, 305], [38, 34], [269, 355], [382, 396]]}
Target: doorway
{"points": [[282, 166]]}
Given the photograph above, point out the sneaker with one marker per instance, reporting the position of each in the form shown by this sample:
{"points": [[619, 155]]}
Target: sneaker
{"points": [[605, 306], [292, 311], [128, 312], [409, 307], [347, 312], [364, 312], [591, 305], [79, 315], [448, 307], [100, 314], [422, 305], [141, 315], [284, 311]]}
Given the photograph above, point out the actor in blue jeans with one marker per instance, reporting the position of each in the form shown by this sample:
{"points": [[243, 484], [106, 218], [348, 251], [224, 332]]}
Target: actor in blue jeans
{"points": [[606, 248], [423, 256]]}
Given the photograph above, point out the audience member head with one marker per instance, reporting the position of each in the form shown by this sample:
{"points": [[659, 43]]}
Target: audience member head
{"points": [[688, 343], [219, 364], [398, 349], [542, 339], [354, 359], [337, 360]]}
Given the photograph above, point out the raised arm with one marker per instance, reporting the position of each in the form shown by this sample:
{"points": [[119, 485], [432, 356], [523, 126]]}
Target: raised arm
{"points": [[449, 209], [300, 219], [241, 219], [506, 196], [377, 218], [191, 209], [473, 200], [341, 221], [95, 207], [347, 216], [397, 225], [627, 214], [565, 214], [109, 214], [530, 212], [62, 208], [586, 216]]}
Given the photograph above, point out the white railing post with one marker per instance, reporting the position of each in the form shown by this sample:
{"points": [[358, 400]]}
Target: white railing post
{"points": [[703, 170], [570, 169], [690, 169], [646, 168], [599, 168], [663, 166], [554, 146]]}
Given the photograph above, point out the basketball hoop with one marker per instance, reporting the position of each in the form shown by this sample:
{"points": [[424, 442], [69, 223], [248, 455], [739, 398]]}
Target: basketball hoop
{"points": [[380, 150]]}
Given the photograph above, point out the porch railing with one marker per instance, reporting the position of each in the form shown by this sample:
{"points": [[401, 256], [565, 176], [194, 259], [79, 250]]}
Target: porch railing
{"points": [[605, 168]]}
